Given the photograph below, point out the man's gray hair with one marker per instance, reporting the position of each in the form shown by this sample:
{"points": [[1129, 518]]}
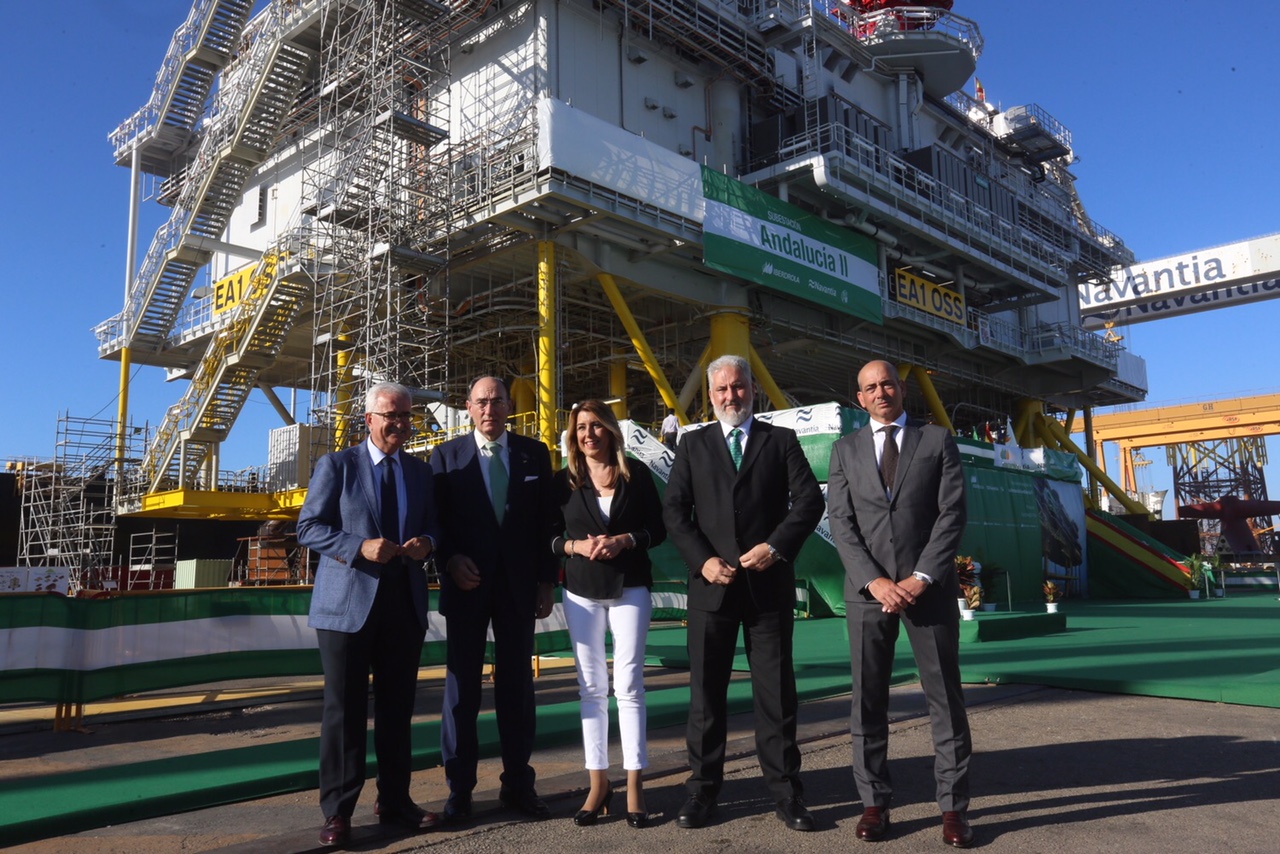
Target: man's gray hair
{"points": [[384, 389], [729, 361]]}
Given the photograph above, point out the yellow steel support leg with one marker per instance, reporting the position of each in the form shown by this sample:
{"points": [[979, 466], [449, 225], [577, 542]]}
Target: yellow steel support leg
{"points": [[693, 385], [342, 397], [1051, 431], [730, 335], [523, 395], [930, 394], [548, 361], [765, 381], [638, 341], [122, 414], [618, 386], [1023, 430]]}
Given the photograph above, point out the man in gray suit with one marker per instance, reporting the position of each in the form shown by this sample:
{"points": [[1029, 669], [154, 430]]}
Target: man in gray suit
{"points": [[371, 515], [896, 503]]}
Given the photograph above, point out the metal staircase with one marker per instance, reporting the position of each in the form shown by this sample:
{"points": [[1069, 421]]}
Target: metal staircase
{"points": [[258, 91], [201, 47], [229, 370]]}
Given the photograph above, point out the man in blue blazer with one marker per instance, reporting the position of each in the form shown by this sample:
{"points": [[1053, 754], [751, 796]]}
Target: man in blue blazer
{"points": [[896, 503], [498, 517], [371, 515]]}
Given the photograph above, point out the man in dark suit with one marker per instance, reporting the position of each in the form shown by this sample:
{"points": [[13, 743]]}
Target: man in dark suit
{"points": [[369, 513], [896, 504], [740, 502], [494, 492]]}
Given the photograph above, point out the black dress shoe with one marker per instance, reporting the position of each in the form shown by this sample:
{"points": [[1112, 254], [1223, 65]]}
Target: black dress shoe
{"points": [[524, 801], [874, 824], [458, 807], [956, 831], [586, 818], [638, 819], [409, 816], [791, 811], [336, 831], [696, 811]]}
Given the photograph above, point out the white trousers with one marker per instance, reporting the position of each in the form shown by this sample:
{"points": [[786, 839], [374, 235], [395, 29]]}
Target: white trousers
{"points": [[627, 617]]}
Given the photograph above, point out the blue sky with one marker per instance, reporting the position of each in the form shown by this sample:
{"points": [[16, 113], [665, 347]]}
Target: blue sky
{"points": [[1169, 104]]}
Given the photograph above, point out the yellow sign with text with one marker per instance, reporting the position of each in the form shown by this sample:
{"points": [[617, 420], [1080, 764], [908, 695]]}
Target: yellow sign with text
{"points": [[228, 292], [928, 296]]}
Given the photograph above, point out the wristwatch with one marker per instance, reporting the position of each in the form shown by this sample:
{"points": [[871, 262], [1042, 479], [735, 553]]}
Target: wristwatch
{"points": [[774, 553]]}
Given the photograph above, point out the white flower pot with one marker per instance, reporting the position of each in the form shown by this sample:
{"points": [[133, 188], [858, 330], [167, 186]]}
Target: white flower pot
{"points": [[1051, 607], [966, 613], [1194, 594], [988, 606], [963, 604]]}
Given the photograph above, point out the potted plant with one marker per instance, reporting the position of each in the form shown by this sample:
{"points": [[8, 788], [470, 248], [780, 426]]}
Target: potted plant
{"points": [[1198, 564], [967, 570], [1052, 593]]}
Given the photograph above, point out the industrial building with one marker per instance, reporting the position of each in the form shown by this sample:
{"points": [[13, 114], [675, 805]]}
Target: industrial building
{"points": [[592, 199]]}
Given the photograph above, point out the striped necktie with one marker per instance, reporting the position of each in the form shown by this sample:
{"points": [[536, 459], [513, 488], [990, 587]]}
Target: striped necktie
{"points": [[735, 447]]}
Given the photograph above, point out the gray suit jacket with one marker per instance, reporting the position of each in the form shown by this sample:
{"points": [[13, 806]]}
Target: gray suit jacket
{"points": [[918, 529], [340, 513]]}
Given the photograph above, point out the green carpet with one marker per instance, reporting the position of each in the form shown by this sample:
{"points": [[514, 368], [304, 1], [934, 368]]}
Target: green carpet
{"points": [[1222, 650]]}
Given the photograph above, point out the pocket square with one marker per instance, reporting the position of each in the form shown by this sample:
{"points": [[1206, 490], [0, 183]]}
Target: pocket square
{"points": [[530, 477]]}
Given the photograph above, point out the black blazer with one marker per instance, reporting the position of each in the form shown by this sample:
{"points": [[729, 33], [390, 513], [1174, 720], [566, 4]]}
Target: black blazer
{"points": [[512, 555], [711, 510], [635, 509]]}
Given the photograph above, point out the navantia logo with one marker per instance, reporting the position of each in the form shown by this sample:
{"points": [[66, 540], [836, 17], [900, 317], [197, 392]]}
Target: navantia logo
{"points": [[767, 269]]}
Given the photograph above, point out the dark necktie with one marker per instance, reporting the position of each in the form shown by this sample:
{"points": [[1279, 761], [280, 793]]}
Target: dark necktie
{"points": [[735, 447], [889, 457], [497, 480], [390, 502]]}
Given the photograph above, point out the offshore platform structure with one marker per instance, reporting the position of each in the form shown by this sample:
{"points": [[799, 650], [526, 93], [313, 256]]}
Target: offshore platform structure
{"points": [[592, 198]]}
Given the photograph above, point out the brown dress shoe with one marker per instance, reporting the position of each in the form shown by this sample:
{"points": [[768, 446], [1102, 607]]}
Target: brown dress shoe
{"points": [[874, 824], [956, 831], [336, 831]]}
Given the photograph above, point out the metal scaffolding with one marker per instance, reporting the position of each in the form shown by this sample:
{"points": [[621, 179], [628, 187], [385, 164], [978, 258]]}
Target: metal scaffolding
{"points": [[68, 502]]}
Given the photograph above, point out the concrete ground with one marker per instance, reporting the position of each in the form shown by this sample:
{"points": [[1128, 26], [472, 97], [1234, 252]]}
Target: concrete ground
{"points": [[1053, 771]]}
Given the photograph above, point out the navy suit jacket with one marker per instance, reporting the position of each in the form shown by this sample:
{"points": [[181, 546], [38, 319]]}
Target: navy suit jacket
{"points": [[518, 550], [711, 510], [340, 513]]}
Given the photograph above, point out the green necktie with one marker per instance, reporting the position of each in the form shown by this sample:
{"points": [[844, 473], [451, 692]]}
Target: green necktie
{"points": [[735, 447], [498, 480]]}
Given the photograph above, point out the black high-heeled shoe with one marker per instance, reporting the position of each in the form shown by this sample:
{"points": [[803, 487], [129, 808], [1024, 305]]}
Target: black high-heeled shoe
{"points": [[586, 818], [638, 819]]}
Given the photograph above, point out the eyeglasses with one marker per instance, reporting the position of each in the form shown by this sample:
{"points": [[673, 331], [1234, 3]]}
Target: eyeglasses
{"points": [[403, 415], [490, 403]]}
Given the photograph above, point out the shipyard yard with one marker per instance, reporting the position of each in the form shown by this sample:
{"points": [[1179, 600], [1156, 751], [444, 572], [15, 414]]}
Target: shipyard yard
{"points": [[596, 200]]}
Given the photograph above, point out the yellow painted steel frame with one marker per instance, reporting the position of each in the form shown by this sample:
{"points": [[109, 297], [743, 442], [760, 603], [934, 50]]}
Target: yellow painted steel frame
{"points": [[765, 380], [930, 394], [122, 415], [1051, 431], [618, 387], [547, 348], [342, 396], [638, 341]]}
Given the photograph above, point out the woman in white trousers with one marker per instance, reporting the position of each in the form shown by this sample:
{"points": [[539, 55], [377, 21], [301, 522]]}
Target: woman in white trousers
{"points": [[612, 515]]}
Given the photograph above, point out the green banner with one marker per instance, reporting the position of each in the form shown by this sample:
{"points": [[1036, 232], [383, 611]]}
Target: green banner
{"points": [[752, 235]]}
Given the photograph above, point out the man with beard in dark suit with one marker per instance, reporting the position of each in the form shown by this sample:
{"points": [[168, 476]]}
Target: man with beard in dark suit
{"points": [[740, 502]]}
